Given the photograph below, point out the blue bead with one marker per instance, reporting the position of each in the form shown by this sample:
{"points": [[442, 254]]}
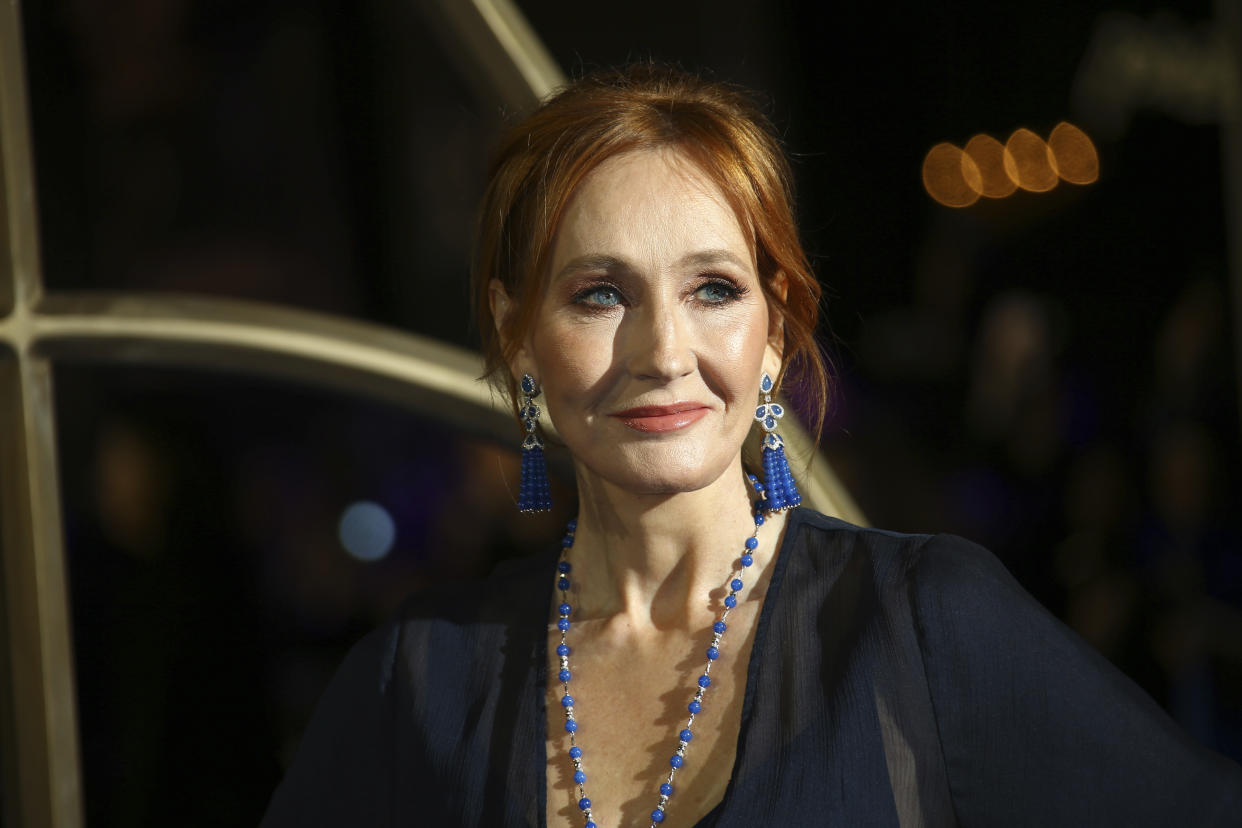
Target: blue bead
{"points": [[747, 560], [736, 585], [695, 706], [676, 761], [705, 681], [562, 649], [562, 624], [584, 803], [571, 726], [565, 609], [562, 584], [657, 815], [758, 520], [572, 525], [752, 542], [579, 777], [685, 735], [563, 567], [575, 752], [719, 627], [567, 701], [730, 601], [566, 542], [591, 824], [713, 653], [666, 789], [565, 675]]}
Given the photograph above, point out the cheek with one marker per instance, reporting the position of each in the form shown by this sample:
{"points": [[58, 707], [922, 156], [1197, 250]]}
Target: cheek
{"points": [[736, 355], [573, 357]]}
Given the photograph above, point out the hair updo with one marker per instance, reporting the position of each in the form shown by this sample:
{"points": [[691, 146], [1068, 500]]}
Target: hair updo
{"points": [[541, 161]]}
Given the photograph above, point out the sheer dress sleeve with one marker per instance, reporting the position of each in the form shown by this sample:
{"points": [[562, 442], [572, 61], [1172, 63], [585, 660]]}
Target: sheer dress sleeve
{"points": [[434, 718], [342, 774], [1036, 727]]}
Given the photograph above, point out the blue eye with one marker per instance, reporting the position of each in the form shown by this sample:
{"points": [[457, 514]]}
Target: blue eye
{"points": [[717, 292], [603, 295]]}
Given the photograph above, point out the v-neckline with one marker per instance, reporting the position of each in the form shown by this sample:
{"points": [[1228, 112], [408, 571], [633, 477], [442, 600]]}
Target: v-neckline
{"points": [[752, 668]]}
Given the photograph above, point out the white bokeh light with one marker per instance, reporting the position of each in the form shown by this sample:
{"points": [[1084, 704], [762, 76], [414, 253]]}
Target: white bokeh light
{"points": [[367, 531]]}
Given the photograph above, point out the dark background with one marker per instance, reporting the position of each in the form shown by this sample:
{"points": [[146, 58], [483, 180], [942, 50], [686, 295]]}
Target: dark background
{"points": [[1049, 374]]}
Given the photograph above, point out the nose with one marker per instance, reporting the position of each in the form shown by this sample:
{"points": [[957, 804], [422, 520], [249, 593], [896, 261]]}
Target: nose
{"points": [[660, 346]]}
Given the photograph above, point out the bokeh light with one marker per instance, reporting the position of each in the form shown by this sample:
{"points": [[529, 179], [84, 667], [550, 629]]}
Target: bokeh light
{"points": [[367, 531], [950, 176], [1076, 159], [957, 178], [989, 157], [1029, 162]]}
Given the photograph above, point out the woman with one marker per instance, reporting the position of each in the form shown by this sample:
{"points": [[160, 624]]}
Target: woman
{"points": [[695, 656]]}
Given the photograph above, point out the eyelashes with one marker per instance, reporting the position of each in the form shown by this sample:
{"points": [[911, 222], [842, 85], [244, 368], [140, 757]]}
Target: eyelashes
{"points": [[718, 291], [711, 291], [601, 295]]}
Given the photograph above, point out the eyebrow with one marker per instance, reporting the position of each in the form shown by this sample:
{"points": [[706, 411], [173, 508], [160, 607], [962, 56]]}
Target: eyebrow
{"points": [[591, 262], [711, 257], [702, 258]]}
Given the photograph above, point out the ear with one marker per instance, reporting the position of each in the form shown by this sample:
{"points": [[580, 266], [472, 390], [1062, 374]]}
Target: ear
{"points": [[502, 306], [772, 361], [774, 355]]}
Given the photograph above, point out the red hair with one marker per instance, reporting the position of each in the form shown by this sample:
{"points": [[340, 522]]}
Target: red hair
{"points": [[542, 160]]}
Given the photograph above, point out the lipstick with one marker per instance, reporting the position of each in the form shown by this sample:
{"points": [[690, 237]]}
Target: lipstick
{"points": [[654, 419]]}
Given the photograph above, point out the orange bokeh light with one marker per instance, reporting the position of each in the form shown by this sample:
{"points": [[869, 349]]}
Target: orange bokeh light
{"points": [[956, 178], [989, 157], [1075, 156], [1029, 162], [950, 176]]}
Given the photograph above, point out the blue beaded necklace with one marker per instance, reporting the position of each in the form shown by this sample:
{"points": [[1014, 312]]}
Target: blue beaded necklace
{"points": [[563, 568]]}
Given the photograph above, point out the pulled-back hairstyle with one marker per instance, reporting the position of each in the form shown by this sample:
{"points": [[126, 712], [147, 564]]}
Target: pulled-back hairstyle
{"points": [[542, 160]]}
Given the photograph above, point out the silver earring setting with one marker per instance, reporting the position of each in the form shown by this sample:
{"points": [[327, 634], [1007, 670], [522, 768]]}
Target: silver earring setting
{"points": [[534, 491], [779, 489]]}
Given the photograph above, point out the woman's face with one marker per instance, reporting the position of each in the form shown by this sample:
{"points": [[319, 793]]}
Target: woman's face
{"points": [[653, 333]]}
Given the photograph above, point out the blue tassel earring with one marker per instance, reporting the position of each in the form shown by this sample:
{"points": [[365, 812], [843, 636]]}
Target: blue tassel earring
{"points": [[534, 493], [780, 490]]}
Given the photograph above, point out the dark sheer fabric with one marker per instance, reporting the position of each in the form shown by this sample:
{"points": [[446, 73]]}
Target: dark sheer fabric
{"points": [[895, 680]]}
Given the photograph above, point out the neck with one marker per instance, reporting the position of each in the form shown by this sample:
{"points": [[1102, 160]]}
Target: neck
{"points": [[653, 560]]}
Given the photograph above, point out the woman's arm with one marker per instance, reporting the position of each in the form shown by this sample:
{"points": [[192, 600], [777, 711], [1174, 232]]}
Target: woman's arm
{"points": [[342, 774], [1037, 727]]}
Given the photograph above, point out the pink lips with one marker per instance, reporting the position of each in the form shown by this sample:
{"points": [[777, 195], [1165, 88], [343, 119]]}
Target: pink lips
{"points": [[662, 418]]}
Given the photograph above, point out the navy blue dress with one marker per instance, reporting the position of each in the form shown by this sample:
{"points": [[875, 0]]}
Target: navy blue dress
{"points": [[901, 680]]}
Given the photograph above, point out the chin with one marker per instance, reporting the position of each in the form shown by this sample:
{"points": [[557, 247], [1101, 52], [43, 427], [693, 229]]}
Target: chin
{"points": [[658, 472], [671, 485]]}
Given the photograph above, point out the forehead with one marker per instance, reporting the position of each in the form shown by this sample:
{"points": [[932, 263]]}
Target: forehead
{"points": [[648, 204]]}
